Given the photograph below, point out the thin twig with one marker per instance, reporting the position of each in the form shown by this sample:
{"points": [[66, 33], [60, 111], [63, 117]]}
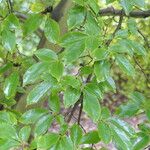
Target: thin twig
{"points": [[80, 111], [145, 39], [142, 70], [116, 30]]}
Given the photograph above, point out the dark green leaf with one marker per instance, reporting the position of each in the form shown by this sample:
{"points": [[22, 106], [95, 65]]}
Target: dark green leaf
{"points": [[91, 137]]}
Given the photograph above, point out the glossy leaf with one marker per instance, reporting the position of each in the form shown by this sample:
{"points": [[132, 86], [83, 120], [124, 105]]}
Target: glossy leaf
{"points": [[46, 55], [52, 31], [91, 137], [56, 69], [125, 65], [71, 81], [76, 134], [76, 16], [104, 132], [24, 133], [32, 115], [54, 102], [34, 72], [32, 23], [10, 85], [71, 96], [102, 70], [91, 106], [9, 40], [42, 125], [47, 140], [38, 92]]}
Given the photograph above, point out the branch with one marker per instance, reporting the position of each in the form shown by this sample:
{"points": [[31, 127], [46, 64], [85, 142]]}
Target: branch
{"points": [[117, 28], [110, 11]]}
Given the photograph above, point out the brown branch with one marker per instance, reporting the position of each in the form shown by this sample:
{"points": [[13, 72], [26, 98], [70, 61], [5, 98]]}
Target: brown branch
{"points": [[110, 11], [80, 111], [117, 28]]}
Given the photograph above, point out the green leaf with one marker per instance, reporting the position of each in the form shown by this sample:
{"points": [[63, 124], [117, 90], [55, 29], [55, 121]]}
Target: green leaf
{"points": [[46, 55], [76, 134], [105, 113], [125, 65], [104, 132], [74, 42], [8, 117], [132, 26], [52, 31], [139, 3], [24, 133], [148, 114], [72, 38], [127, 6], [8, 40], [94, 90], [32, 115], [92, 23], [120, 138], [123, 126], [71, 96], [99, 54], [137, 98], [109, 1], [65, 143], [7, 131], [138, 48], [11, 22], [111, 83], [10, 85], [34, 72], [71, 81], [5, 67], [76, 16], [91, 137], [38, 92], [91, 106], [102, 70], [94, 5], [128, 110], [48, 140], [56, 69], [141, 142], [42, 125], [54, 102], [32, 23]]}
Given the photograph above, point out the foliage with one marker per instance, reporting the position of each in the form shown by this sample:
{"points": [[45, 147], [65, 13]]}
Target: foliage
{"points": [[40, 52]]}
